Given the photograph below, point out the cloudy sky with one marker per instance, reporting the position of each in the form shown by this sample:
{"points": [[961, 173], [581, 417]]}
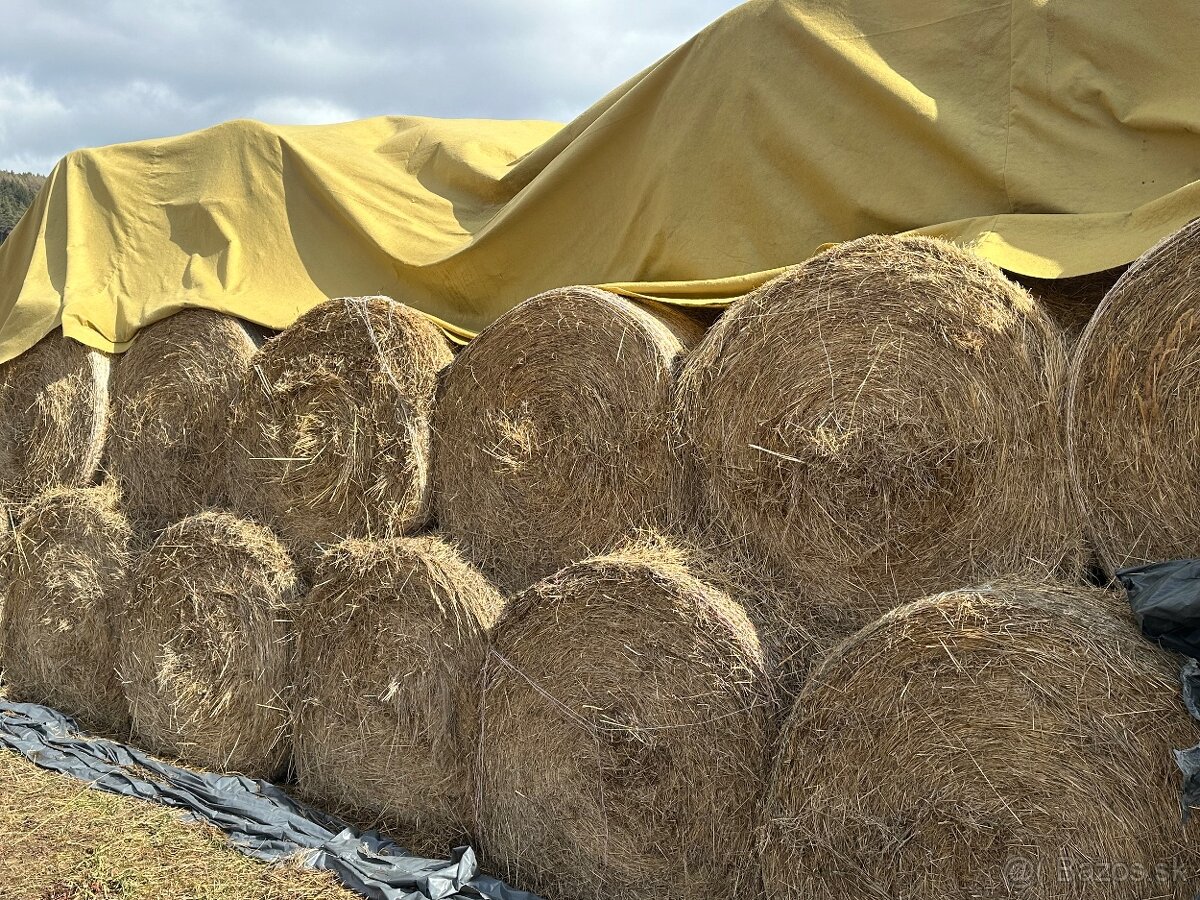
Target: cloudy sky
{"points": [[84, 74]]}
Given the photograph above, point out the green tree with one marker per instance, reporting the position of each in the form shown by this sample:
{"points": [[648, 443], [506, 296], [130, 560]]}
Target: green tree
{"points": [[17, 191]]}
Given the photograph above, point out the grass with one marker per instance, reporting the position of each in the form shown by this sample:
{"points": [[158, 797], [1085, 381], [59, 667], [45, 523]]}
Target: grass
{"points": [[62, 840]]}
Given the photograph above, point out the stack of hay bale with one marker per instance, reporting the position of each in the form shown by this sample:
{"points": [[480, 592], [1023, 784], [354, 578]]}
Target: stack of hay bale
{"points": [[793, 605]]}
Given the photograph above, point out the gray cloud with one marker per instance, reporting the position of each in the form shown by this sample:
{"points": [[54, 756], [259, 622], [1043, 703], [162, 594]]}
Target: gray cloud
{"points": [[76, 75]]}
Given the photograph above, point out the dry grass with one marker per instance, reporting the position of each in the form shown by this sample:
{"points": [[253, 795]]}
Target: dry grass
{"points": [[7, 520], [206, 645], [64, 572], [53, 417], [331, 435], [1001, 742], [1071, 302], [171, 394], [1134, 410], [392, 644], [552, 432], [627, 716], [879, 423], [62, 840]]}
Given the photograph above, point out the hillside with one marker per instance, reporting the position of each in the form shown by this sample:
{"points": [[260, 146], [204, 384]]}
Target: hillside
{"points": [[17, 191]]}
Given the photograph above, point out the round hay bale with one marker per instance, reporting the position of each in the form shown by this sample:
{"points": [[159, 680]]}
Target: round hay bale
{"points": [[53, 417], [553, 432], [330, 437], [627, 715], [1134, 410], [1071, 302], [392, 640], [1009, 741], [171, 395], [879, 422], [66, 564], [206, 645]]}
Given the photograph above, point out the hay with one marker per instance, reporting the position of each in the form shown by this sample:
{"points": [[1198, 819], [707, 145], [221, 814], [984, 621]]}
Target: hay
{"points": [[878, 423], [1009, 741], [65, 568], [171, 394], [331, 436], [206, 647], [626, 719], [53, 417], [392, 644], [1071, 302], [6, 549], [552, 429], [1134, 410]]}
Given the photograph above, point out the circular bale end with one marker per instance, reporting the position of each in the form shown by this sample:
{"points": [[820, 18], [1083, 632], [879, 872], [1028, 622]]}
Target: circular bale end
{"points": [[392, 640], [330, 437], [1010, 741], [206, 645], [171, 395], [1134, 410], [879, 422], [53, 417], [65, 563], [627, 715], [553, 432]]}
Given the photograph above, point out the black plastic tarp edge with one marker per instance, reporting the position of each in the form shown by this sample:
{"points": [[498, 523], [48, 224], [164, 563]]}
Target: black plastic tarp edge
{"points": [[260, 819]]}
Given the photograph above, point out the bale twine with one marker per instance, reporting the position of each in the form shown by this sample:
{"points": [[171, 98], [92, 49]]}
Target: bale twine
{"points": [[392, 643], [553, 432], [330, 437], [880, 422], [1134, 410], [171, 395], [53, 417], [1071, 302], [1008, 741], [206, 647], [626, 719], [65, 567]]}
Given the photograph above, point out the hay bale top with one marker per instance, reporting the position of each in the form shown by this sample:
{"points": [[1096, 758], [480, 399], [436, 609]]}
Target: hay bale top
{"points": [[553, 431], [65, 565], [881, 421], [962, 731], [330, 437], [206, 653], [417, 579], [627, 713], [63, 511], [384, 341], [227, 547], [1134, 410], [393, 638], [171, 397], [576, 599], [53, 417]]}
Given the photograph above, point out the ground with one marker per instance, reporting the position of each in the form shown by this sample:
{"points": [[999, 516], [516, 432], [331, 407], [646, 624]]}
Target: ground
{"points": [[62, 840]]}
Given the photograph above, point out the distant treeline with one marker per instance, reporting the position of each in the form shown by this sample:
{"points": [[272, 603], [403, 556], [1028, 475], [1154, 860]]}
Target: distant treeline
{"points": [[17, 191]]}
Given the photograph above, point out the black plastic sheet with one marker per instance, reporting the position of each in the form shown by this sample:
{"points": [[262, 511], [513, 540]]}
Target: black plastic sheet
{"points": [[260, 819], [1165, 599]]}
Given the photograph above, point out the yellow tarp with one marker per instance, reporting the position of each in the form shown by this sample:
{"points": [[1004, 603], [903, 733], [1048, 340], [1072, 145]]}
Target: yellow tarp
{"points": [[1058, 136]]}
